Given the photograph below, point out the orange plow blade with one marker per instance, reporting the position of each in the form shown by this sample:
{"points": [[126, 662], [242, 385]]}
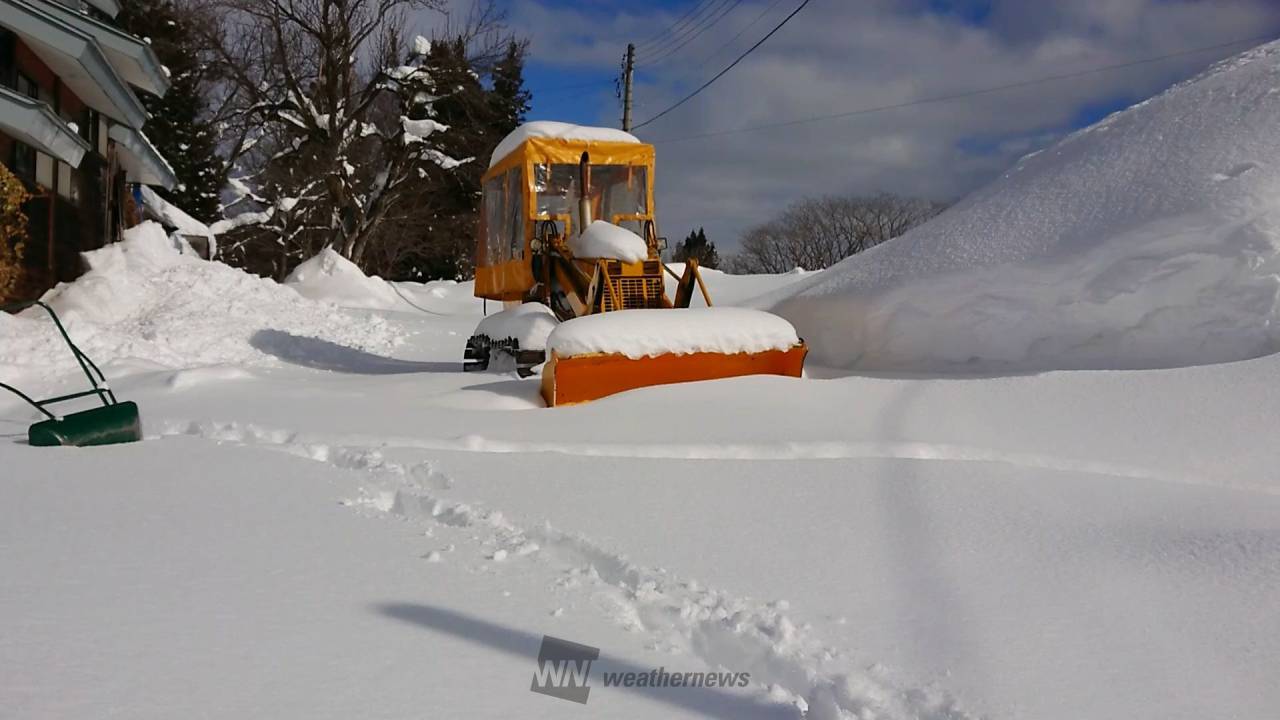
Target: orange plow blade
{"points": [[582, 378]]}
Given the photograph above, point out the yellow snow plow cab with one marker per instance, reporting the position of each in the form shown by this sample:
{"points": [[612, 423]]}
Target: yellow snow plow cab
{"points": [[567, 221]]}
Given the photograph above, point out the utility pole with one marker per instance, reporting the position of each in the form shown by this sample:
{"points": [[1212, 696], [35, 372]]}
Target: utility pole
{"points": [[628, 69]]}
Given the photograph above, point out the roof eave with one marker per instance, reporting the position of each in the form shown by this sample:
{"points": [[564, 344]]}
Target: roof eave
{"points": [[142, 161], [132, 58], [36, 124], [49, 31]]}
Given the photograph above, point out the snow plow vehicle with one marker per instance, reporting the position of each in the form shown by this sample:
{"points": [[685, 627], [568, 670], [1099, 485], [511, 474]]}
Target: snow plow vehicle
{"points": [[568, 242]]}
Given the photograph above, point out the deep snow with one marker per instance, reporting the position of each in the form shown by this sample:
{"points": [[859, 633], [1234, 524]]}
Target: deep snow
{"points": [[328, 519], [313, 529], [1151, 239]]}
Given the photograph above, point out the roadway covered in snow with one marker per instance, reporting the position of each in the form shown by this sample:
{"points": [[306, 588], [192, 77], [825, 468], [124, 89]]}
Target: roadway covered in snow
{"points": [[317, 527]]}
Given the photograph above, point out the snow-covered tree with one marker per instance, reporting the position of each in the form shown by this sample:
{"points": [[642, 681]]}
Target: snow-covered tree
{"points": [[509, 97], [179, 125], [334, 121]]}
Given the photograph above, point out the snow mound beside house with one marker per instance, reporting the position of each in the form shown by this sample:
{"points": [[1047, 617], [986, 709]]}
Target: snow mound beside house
{"points": [[329, 277], [1151, 239], [145, 303], [648, 333], [603, 239]]}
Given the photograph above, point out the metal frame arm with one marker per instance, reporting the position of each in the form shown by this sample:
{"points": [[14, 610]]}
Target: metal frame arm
{"points": [[98, 383]]}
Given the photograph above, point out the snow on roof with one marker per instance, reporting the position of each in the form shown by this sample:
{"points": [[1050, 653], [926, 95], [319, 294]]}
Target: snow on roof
{"points": [[647, 333], [171, 215], [1149, 239], [605, 240], [560, 130]]}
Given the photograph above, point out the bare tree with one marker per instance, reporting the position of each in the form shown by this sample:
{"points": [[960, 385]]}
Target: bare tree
{"points": [[330, 119], [816, 233]]}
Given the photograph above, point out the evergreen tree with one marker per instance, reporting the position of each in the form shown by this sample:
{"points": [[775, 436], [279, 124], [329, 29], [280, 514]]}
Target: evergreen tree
{"points": [[444, 224], [509, 97], [177, 125], [697, 246]]}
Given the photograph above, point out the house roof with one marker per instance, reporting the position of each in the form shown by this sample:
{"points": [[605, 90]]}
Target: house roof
{"points": [[110, 7], [76, 57], [133, 59], [142, 162], [34, 123]]}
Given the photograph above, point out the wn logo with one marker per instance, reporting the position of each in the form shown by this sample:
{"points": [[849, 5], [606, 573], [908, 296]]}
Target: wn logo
{"points": [[563, 668]]}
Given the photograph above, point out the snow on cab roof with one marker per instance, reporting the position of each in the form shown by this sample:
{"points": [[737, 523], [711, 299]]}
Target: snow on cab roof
{"points": [[561, 130]]}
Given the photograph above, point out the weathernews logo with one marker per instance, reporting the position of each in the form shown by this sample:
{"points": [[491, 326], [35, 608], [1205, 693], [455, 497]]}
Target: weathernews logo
{"points": [[564, 668]]}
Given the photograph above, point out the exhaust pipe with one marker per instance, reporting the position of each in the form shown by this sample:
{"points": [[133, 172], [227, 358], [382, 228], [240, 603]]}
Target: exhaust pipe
{"points": [[584, 187]]}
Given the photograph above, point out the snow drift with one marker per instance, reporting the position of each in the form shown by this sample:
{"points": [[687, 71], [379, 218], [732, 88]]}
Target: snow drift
{"points": [[144, 300], [1147, 240], [329, 277]]}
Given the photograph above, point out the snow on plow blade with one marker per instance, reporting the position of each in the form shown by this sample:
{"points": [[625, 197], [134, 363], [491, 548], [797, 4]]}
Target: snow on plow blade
{"points": [[599, 355], [582, 378]]}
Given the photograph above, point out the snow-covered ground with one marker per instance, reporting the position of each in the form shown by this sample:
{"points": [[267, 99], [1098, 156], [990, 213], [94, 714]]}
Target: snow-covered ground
{"points": [[334, 521], [328, 519]]}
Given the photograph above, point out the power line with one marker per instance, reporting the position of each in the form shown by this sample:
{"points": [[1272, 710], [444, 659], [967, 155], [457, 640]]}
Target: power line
{"points": [[664, 35], [732, 40], [710, 21], [721, 74], [958, 96], [713, 20]]}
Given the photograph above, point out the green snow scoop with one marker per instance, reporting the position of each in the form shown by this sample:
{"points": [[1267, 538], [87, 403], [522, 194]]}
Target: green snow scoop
{"points": [[114, 422]]}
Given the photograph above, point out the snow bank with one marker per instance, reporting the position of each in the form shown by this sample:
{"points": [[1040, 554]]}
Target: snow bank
{"points": [[605, 240], [558, 130], [646, 333], [1148, 240], [143, 301], [329, 277], [529, 324]]}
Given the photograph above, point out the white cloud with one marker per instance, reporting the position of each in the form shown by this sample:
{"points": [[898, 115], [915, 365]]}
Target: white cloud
{"points": [[840, 56]]}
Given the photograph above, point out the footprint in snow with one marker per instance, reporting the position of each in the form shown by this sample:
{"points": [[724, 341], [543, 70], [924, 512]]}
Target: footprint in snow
{"points": [[1235, 172]]}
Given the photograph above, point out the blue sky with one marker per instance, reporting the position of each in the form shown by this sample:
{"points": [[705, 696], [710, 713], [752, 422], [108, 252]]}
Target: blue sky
{"points": [[837, 56]]}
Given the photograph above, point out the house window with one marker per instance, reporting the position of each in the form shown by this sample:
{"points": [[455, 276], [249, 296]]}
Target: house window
{"points": [[89, 127], [44, 170], [65, 183], [24, 161], [27, 86], [8, 63]]}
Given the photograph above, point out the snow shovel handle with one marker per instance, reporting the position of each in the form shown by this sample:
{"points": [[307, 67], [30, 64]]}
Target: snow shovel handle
{"points": [[30, 401], [101, 390]]}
